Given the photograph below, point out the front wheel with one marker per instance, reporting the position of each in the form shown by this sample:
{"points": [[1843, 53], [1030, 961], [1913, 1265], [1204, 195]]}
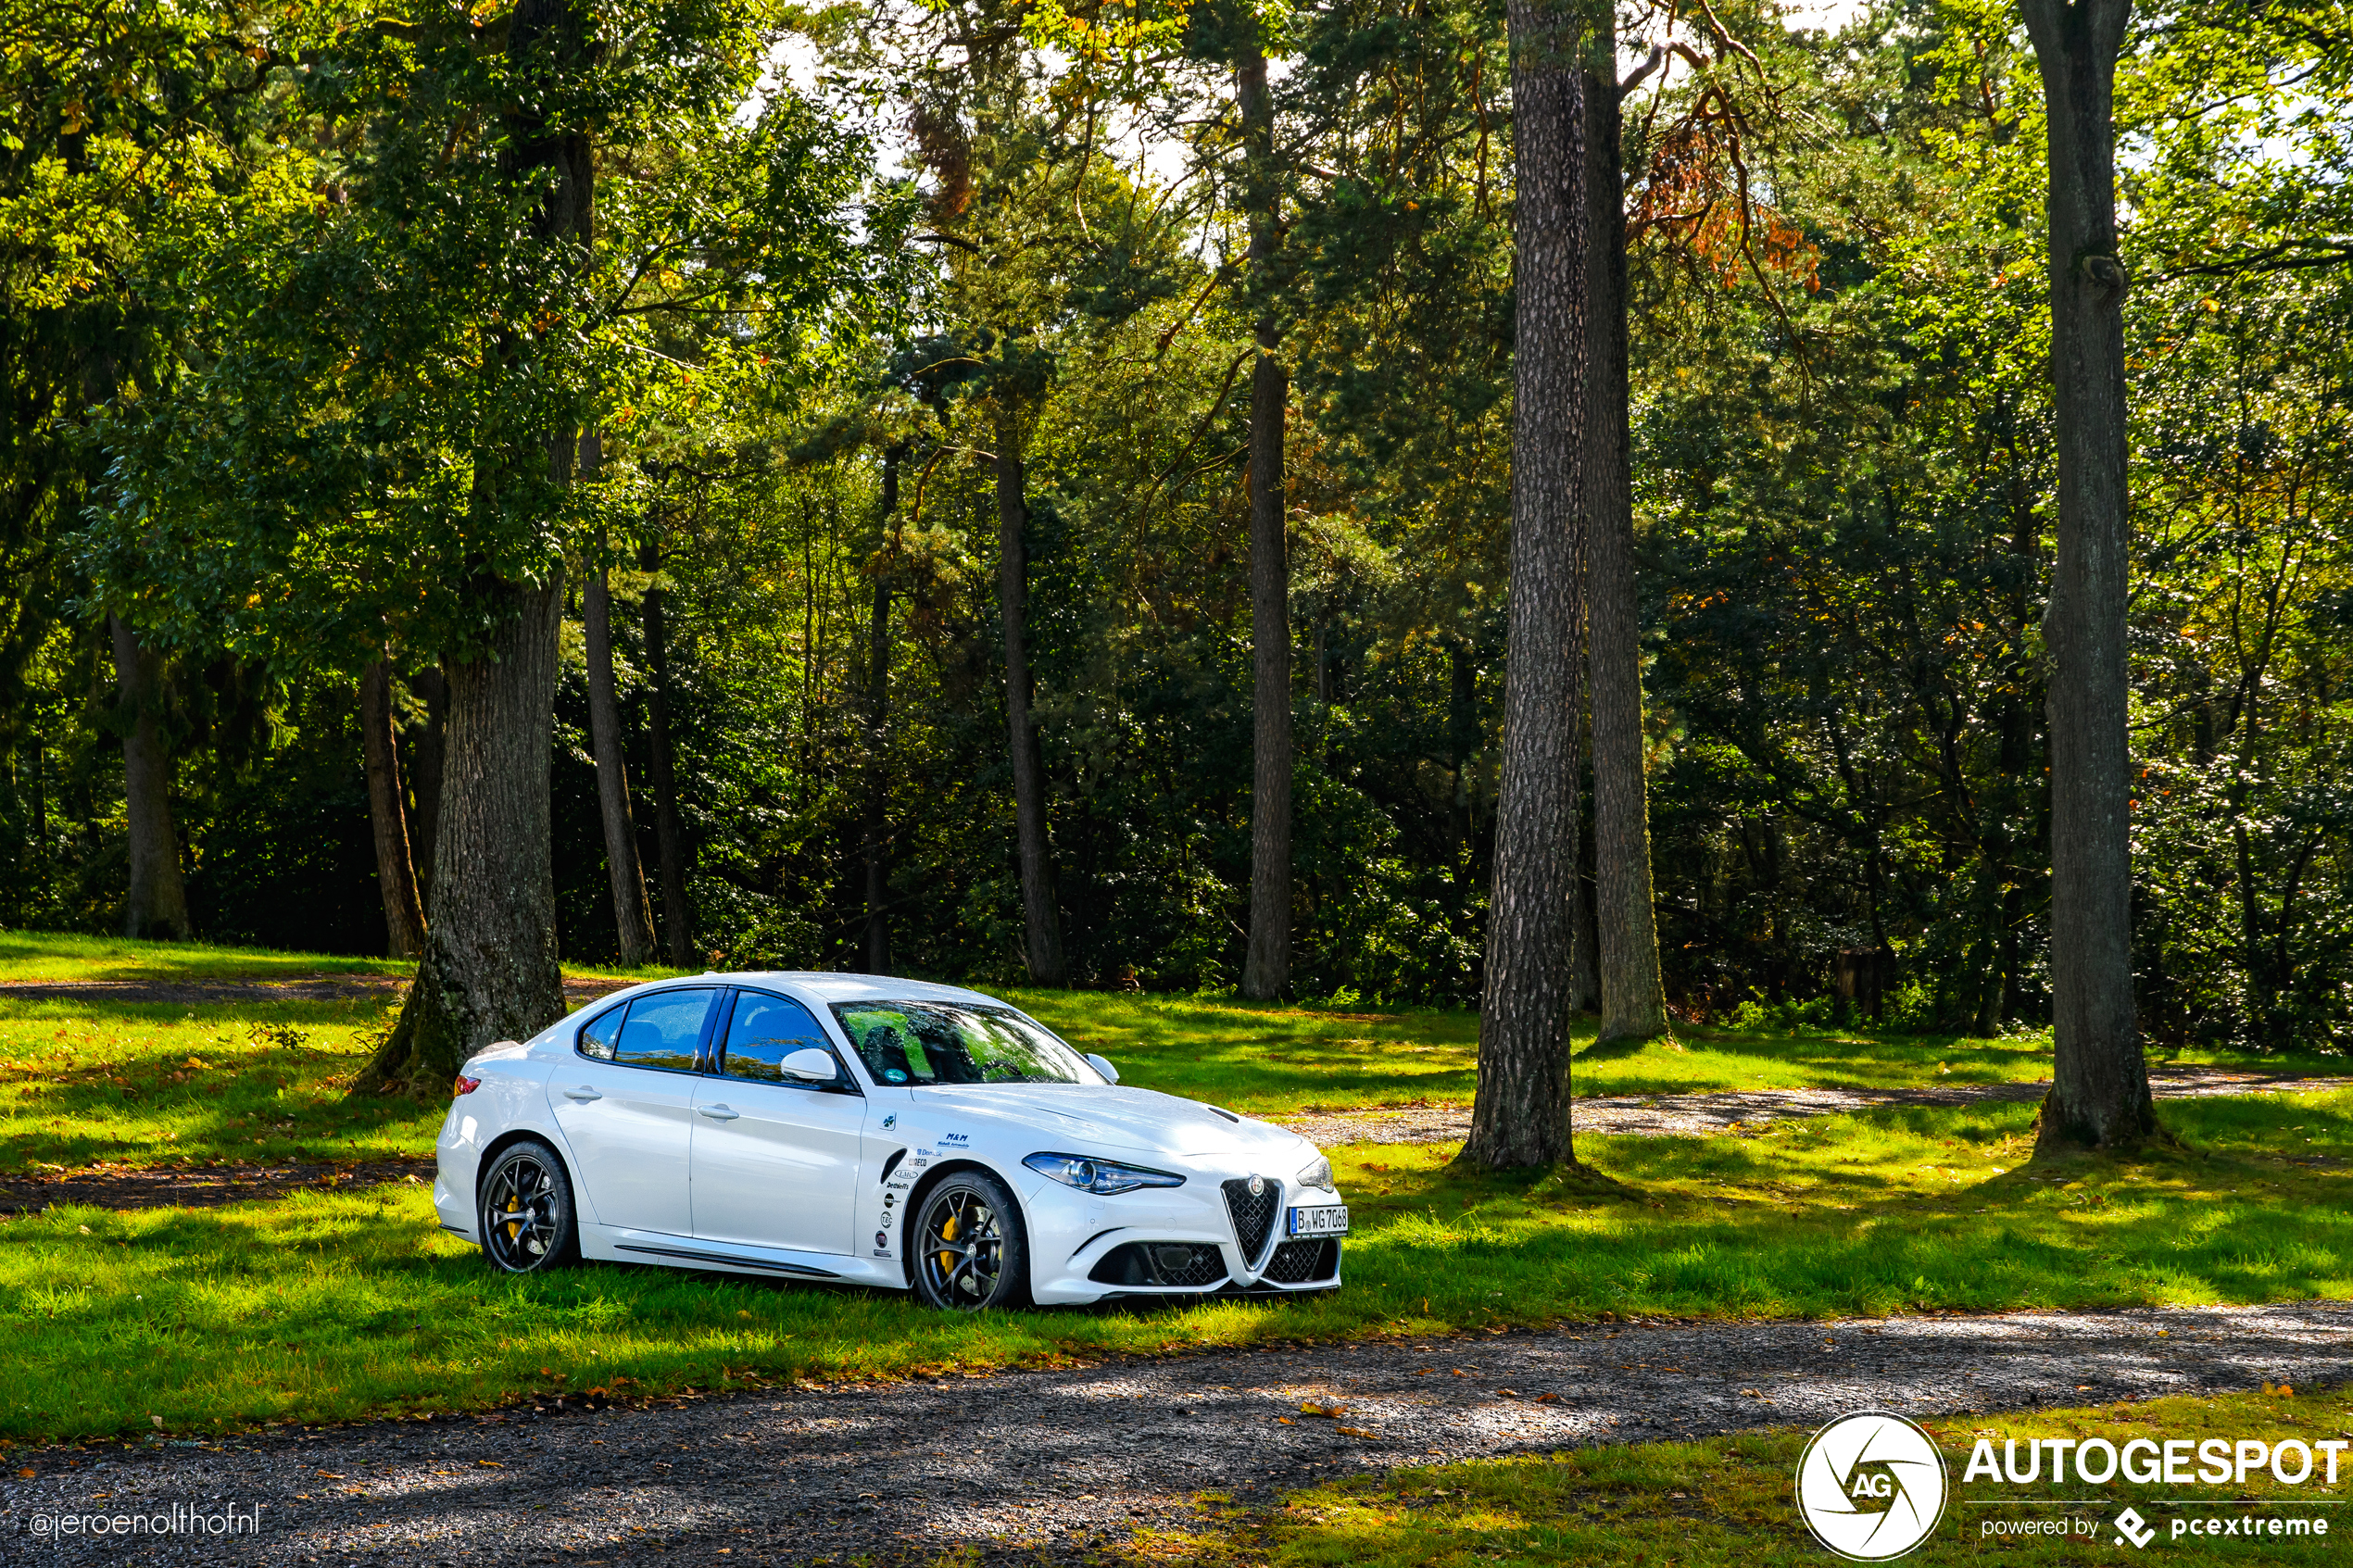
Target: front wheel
{"points": [[970, 1252], [528, 1221]]}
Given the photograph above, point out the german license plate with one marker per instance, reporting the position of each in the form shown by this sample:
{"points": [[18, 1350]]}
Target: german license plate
{"points": [[1329, 1219]]}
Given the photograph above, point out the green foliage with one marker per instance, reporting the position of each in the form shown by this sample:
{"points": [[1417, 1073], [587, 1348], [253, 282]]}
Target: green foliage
{"points": [[332, 345]]}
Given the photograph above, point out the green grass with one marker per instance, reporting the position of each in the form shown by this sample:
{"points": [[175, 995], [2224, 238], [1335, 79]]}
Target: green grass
{"points": [[334, 1306], [143, 1083], [1728, 1501], [54, 956], [327, 1306], [1271, 1060], [152, 1083]]}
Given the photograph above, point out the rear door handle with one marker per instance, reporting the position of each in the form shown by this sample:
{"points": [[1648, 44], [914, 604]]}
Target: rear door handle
{"points": [[719, 1112], [583, 1094]]}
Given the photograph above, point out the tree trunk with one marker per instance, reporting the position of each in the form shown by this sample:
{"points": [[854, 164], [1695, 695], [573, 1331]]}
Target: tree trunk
{"points": [[490, 969], [1040, 920], [2099, 1080], [424, 828], [632, 918], [1520, 1117], [489, 972], [1266, 968], [1633, 1004], [157, 903], [1585, 961], [677, 919], [396, 875], [875, 833]]}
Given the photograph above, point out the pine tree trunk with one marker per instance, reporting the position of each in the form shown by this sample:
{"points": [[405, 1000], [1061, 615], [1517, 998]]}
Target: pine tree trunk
{"points": [[677, 919], [1520, 1116], [875, 832], [1040, 920], [396, 875], [632, 918], [490, 970], [424, 828], [1585, 964], [158, 902], [1633, 1004], [2099, 1079], [1267, 967]]}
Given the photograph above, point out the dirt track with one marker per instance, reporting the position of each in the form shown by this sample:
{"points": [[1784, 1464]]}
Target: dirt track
{"points": [[1702, 1115]]}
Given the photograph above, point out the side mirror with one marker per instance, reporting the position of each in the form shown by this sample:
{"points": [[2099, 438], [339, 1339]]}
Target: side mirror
{"points": [[1102, 1066], [809, 1065]]}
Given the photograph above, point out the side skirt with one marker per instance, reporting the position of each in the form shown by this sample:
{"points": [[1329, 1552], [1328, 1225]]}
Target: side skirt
{"points": [[612, 1245]]}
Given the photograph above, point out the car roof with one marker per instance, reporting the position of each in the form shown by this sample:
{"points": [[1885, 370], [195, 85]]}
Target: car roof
{"points": [[827, 986]]}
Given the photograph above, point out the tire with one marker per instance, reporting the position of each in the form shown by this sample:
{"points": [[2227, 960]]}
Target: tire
{"points": [[969, 1250], [524, 1204]]}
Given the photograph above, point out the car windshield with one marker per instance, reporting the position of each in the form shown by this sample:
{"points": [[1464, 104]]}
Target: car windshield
{"points": [[925, 1042]]}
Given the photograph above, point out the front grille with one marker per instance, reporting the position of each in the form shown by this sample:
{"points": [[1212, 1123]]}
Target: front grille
{"points": [[1296, 1262], [1160, 1262], [1254, 1217]]}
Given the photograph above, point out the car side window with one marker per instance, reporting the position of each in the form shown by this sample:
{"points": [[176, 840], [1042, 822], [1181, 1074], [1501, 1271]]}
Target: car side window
{"points": [[599, 1034], [663, 1030], [763, 1031]]}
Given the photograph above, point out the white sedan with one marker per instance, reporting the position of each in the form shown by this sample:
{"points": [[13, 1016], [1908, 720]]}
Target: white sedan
{"points": [[856, 1129]]}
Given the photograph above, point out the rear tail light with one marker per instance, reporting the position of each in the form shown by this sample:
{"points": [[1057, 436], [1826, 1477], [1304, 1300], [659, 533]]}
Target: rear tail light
{"points": [[466, 1085]]}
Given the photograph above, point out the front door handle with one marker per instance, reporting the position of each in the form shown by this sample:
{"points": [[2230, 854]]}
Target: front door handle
{"points": [[719, 1112], [583, 1094]]}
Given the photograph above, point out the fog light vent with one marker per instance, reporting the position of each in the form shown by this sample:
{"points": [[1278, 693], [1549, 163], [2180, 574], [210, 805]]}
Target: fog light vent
{"points": [[1168, 1263]]}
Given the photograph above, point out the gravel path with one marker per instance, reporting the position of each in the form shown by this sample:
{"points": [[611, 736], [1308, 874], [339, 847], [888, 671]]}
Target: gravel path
{"points": [[1056, 1465], [1702, 1115]]}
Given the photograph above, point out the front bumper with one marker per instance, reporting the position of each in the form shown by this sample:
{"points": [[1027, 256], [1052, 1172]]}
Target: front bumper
{"points": [[1085, 1248]]}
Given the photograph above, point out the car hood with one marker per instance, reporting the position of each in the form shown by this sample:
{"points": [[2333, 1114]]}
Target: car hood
{"points": [[1110, 1117]]}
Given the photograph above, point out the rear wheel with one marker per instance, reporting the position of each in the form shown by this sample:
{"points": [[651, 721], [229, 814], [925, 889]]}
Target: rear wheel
{"points": [[528, 1221], [970, 1252]]}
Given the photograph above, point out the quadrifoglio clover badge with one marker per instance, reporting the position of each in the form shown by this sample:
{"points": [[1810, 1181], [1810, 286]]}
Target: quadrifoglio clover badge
{"points": [[1872, 1485]]}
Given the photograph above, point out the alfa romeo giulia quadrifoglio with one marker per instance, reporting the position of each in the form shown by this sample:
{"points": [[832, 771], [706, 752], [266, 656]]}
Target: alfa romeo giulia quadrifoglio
{"points": [[860, 1130]]}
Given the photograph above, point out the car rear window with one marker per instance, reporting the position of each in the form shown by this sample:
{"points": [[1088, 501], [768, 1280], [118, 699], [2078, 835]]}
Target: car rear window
{"points": [[658, 1029]]}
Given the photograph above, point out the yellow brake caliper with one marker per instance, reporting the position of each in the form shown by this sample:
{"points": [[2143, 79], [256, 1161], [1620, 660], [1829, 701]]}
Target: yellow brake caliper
{"points": [[947, 1233]]}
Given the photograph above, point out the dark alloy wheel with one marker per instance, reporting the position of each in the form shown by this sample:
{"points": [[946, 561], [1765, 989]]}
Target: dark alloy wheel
{"points": [[527, 1217], [969, 1249]]}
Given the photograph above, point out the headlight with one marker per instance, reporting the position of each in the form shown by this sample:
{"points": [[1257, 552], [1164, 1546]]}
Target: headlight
{"points": [[1098, 1175], [1318, 1174]]}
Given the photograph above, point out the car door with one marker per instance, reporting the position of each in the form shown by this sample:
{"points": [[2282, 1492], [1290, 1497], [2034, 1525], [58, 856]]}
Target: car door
{"points": [[625, 1104], [776, 1159]]}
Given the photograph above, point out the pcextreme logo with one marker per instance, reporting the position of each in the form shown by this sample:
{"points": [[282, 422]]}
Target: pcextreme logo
{"points": [[1872, 1485]]}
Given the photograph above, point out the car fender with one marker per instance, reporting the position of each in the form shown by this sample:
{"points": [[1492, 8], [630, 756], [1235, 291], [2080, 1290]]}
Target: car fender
{"points": [[509, 1101], [930, 1176]]}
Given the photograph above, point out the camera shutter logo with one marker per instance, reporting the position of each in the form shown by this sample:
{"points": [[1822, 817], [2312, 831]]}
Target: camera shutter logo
{"points": [[1872, 1485]]}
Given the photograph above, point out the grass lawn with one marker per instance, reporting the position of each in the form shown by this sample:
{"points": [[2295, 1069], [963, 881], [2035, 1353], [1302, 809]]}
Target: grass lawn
{"points": [[1270, 1060], [328, 1306], [1729, 1501]]}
